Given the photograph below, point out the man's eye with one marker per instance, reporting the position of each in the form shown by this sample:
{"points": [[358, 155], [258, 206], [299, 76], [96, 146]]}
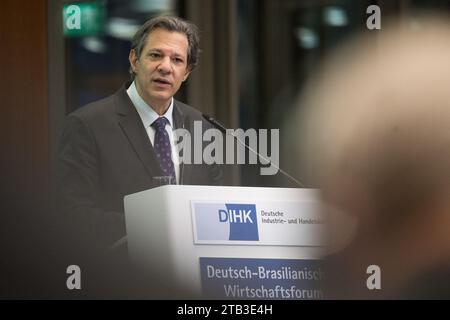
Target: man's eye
{"points": [[178, 60], [154, 55]]}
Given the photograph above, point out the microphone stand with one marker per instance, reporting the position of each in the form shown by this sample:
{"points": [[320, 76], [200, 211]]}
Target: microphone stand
{"points": [[219, 126]]}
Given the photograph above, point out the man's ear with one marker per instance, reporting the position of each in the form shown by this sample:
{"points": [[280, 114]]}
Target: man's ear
{"points": [[186, 75], [132, 57]]}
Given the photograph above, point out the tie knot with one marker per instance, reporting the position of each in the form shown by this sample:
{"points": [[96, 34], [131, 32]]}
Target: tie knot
{"points": [[160, 123]]}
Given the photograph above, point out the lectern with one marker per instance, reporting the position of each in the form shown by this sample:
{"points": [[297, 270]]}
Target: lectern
{"points": [[230, 242]]}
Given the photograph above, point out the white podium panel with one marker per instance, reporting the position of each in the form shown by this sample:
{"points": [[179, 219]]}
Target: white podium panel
{"points": [[229, 238]]}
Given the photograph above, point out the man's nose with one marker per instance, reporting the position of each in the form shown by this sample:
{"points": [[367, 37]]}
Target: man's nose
{"points": [[165, 65]]}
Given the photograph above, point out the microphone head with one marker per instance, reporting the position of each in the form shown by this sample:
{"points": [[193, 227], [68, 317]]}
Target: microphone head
{"points": [[214, 122]]}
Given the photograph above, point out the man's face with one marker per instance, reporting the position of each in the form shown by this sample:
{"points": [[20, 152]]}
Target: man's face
{"points": [[161, 68]]}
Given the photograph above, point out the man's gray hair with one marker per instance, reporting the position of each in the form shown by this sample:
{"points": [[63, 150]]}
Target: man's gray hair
{"points": [[173, 24]]}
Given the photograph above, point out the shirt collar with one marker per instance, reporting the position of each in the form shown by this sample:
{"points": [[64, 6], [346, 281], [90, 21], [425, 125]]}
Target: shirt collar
{"points": [[147, 114]]}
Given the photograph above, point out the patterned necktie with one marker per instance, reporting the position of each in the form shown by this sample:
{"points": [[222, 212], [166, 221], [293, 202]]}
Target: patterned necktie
{"points": [[162, 148]]}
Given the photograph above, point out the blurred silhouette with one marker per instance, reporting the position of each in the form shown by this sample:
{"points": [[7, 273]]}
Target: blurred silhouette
{"points": [[376, 140]]}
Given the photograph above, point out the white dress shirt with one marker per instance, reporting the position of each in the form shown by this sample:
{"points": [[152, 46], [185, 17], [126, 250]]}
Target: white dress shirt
{"points": [[148, 116]]}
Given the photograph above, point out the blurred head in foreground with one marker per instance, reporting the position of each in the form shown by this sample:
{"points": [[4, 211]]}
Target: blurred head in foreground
{"points": [[376, 140]]}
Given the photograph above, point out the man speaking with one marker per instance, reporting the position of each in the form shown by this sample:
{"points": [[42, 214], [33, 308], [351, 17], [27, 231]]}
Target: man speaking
{"points": [[125, 143]]}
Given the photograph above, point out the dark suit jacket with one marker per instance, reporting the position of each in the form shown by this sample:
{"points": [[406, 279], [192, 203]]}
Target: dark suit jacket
{"points": [[105, 154]]}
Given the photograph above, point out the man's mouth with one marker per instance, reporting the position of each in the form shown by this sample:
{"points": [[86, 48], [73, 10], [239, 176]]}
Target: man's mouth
{"points": [[162, 81]]}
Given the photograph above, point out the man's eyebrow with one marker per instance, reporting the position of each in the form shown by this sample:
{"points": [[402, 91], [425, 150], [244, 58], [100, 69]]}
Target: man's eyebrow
{"points": [[155, 49], [175, 54]]}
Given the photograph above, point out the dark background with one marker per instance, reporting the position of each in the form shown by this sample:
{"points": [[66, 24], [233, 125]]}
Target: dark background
{"points": [[256, 57]]}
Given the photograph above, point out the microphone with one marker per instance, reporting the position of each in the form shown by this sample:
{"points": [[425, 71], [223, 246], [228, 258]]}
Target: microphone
{"points": [[219, 126]]}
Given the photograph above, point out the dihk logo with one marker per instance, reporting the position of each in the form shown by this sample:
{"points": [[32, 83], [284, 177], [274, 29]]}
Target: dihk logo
{"points": [[230, 221], [242, 220]]}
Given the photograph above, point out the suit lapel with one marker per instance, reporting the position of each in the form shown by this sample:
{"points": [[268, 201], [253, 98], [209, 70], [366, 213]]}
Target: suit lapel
{"points": [[179, 119], [131, 124]]}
